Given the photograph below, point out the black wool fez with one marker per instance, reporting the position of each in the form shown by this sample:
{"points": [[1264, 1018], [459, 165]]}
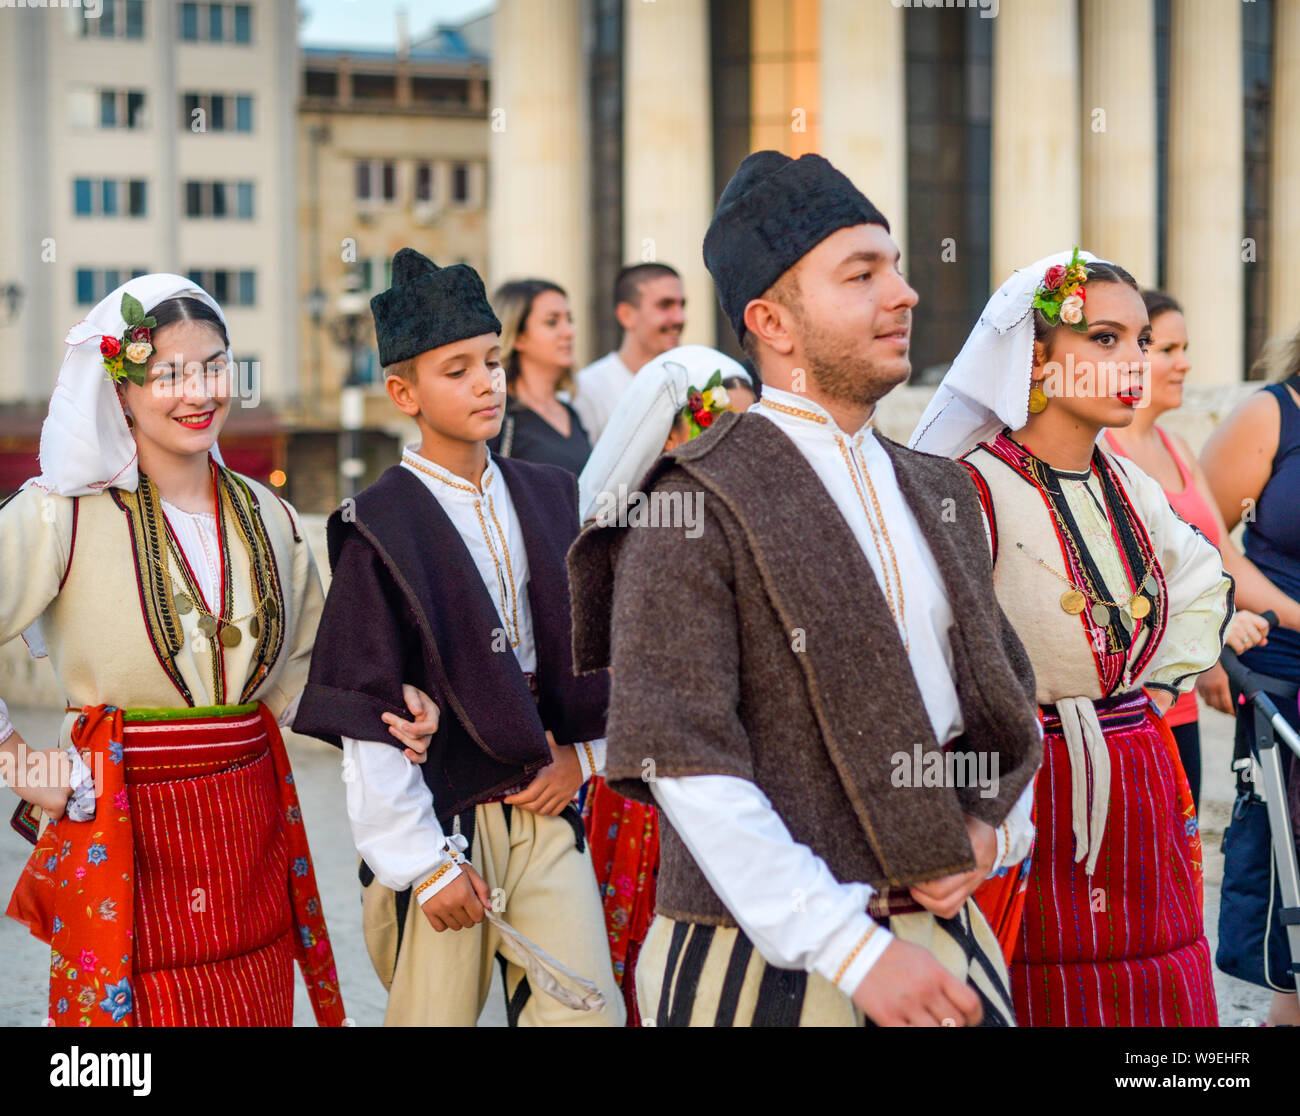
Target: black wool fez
{"points": [[773, 212], [428, 306]]}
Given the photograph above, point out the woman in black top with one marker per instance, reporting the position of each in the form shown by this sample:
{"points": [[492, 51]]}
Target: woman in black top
{"points": [[537, 354]]}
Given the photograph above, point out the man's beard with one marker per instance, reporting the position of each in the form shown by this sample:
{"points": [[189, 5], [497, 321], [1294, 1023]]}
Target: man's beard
{"points": [[842, 370]]}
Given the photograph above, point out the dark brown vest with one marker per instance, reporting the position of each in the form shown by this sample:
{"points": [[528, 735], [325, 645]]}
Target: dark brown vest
{"points": [[821, 718], [407, 604]]}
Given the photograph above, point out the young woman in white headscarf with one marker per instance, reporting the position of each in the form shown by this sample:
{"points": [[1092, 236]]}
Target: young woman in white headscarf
{"points": [[1120, 604], [673, 398], [177, 601]]}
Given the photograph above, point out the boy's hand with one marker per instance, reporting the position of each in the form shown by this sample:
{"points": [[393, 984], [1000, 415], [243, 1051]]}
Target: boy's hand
{"points": [[946, 896], [907, 987], [460, 904], [552, 788], [416, 733]]}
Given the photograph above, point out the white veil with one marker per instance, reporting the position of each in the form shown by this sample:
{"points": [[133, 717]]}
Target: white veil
{"points": [[86, 445], [642, 420], [987, 386]]}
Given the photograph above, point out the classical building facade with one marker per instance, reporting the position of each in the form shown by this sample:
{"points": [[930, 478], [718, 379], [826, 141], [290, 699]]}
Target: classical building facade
{"points": [[1160, 133]]}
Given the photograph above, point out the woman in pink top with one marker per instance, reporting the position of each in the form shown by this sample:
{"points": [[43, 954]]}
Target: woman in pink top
{"points": [[1169, 459]]}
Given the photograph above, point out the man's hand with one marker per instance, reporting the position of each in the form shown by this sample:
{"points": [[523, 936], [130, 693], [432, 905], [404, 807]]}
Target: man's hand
{"points": [[948, 894], [416, 733], [460, 904], [552, 788], [1213, 687], [907, 987], [41, 777]]}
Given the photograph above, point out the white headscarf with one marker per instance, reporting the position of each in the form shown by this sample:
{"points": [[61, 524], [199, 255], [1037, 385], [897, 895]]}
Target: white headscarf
{"points": [[86, 445], [642, 420], [987, 386]]}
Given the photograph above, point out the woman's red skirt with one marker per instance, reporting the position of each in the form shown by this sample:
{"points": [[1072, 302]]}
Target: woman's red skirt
{"points": [[187, 898], [1125, 946], [624, 839]]}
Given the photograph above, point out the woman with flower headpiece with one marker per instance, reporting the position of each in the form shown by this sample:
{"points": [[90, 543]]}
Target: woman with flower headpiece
{"points": [[1111, 592], [673, 398], [178, 602]]}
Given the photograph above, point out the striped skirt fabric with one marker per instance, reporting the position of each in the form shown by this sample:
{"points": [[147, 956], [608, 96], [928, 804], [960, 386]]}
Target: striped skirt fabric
{"points": [[691, 974], [213, 917], [1126, 946]]}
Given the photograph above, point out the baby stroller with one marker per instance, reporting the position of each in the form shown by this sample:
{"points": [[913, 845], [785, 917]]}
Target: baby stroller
{"points": [[1270, 729]]}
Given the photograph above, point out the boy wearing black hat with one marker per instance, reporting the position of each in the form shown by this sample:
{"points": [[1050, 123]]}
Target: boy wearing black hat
{"points": [[846, 645], [450, 570]]}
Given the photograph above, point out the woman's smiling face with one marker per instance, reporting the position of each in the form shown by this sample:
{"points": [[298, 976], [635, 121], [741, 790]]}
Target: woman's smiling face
{"points": [[185, 399]]}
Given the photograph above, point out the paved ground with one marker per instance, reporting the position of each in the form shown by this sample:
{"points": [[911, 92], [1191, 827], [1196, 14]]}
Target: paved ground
{"points": [[25, 960]]}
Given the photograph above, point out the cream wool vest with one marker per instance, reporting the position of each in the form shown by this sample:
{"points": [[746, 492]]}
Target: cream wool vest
{"points": [[108, 612]]}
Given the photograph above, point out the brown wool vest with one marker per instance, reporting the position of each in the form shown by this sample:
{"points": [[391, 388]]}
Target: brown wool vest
{"points": [[820, 719]]}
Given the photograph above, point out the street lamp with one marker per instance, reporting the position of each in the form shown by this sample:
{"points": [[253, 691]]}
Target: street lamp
{"points": [[349, 331]]}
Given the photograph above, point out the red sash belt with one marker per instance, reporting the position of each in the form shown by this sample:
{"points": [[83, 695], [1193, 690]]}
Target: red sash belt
{"points": [[79, 889]]}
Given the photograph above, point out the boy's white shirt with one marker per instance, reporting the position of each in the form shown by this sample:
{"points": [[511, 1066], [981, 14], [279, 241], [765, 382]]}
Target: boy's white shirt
{"points": [[390, 807]]}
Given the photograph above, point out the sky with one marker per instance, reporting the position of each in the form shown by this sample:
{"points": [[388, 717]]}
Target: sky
{"points": [[373, 23]]}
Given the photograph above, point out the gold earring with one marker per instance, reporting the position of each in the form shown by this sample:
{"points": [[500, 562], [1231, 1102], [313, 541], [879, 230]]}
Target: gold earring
{"points": [[1037, 400]]}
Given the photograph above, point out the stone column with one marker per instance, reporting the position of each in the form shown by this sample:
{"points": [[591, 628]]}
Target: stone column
{"points": [[537, 204], [1204, 268], [668, 193], [1119, 134], [1284, 208], [1036, 181], [863, 112]]}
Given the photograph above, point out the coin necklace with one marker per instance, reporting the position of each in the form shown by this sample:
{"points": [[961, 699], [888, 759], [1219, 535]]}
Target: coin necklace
{"points": [[209, 622], [1076, 597]]}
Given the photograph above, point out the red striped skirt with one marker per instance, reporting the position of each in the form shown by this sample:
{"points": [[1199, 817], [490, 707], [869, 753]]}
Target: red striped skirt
{"points": [[1126, 946], [213, 918], [187, 898]]}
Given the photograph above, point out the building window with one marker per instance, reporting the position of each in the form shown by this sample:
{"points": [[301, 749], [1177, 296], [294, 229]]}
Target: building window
{"points": [[423, 182], [214, 199], [93, 284], [321, 83], [374, 274], [228, 286], [376, 180], [216, 23], [122, 108], [949, 150], [216, 112], [109, 197], [1256, 72], [117, 19], [137, 198], [442, 92], [374, 87], [460, 192]]}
